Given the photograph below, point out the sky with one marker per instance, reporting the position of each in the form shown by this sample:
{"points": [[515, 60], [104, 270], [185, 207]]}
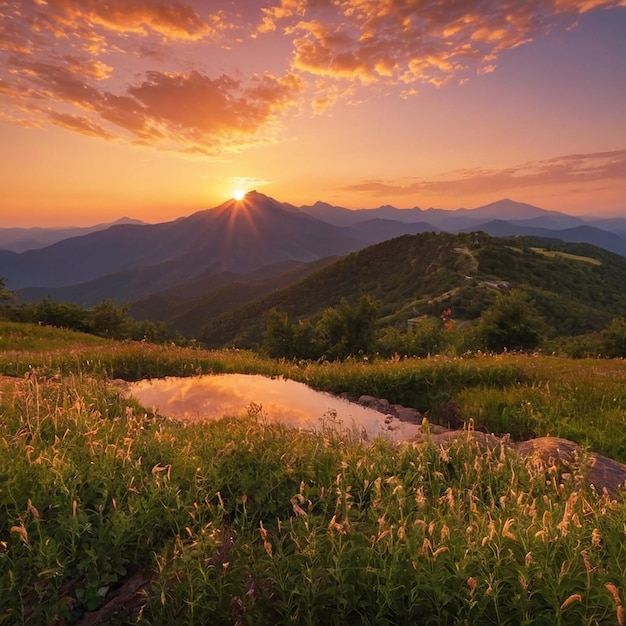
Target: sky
{"points": [[156, 109]]}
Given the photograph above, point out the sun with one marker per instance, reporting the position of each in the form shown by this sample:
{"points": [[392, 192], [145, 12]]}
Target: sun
{"points": [[239, 194]]}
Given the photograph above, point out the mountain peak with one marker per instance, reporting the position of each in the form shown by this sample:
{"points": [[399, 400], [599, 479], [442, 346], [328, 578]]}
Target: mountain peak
{"points": [[510, 209]]}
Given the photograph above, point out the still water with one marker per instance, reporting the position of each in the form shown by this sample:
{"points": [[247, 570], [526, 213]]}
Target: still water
{"points": [[282, 400]]}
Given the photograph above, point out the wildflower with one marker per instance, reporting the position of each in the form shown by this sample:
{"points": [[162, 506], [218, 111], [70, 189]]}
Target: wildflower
{"points": [[472, 584], [297, 509], [575, 597], [266, 544], [505, 529], [334, 525], [596, 538], [445, 533], [426, 546], [492, 533], [613, 590], [22, 532], [420, 498], [438, 551], [32, 510]]}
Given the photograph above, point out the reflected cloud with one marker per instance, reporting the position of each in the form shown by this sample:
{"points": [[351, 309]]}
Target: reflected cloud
{"points": [[282, 400]]}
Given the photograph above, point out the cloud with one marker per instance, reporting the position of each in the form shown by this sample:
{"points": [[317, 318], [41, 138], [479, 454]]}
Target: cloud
{"points": [[563, 170], [91, 66], [171, 20], [198, 112], [399, 42], [80, 124]]}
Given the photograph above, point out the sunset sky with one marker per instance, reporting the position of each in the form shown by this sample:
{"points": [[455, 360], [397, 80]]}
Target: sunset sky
{"points": [[155, 109]]}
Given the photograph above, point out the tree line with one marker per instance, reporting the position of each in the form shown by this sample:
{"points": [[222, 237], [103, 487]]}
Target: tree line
{"points": [[105, 319], [511, 322]]}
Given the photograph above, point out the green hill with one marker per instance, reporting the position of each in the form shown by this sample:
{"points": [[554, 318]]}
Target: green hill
{"points": [[576, 287], [186, 307]]}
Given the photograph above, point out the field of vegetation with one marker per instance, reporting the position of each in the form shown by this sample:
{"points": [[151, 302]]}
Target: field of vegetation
{"points": [[110, 514]]}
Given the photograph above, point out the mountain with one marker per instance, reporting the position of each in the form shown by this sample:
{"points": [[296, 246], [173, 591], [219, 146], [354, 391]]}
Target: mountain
{"points": [[378, 229], [579, 234], [204, 265], [22, 239], [452, 220], [187, 307], [577, 287], [142, 259], [339, 216]]}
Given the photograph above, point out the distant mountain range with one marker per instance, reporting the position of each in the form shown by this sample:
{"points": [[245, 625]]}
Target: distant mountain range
{"points": [[214, 261], [22, 239]]}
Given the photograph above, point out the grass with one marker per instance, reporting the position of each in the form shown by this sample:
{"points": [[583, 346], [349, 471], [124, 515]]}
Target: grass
{"points": [[238, 521], [567, 255]]}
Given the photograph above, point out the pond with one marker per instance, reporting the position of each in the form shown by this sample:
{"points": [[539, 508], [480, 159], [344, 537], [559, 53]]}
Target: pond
{"points": [[280, 399]]}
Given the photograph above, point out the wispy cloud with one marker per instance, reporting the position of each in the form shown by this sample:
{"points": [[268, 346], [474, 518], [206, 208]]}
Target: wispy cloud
{"points": [[89, 65], [570, 169]]}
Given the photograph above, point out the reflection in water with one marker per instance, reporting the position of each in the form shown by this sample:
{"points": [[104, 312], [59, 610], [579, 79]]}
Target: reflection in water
{"points": [[282, 400]]}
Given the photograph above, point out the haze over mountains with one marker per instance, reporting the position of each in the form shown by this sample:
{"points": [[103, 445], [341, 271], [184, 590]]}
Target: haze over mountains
{"points": [[259, 242], [22, 239]]}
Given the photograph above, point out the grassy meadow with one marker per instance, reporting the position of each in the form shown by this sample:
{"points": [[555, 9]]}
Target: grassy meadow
{"points": [[111, 515]]}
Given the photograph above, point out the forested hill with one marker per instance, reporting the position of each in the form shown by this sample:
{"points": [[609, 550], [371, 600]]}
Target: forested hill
{"points": [[576, 287]]}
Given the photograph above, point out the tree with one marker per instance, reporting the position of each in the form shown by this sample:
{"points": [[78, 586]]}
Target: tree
{"points": [[108, 319], [615, 338], [5, 295], [512, 322], [278, 336], [63, 315], [348, 330]]}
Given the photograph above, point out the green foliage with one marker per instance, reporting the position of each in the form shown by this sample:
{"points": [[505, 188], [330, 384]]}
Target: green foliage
{"points": [[105, 319], [615, 338], [5, 296], [426, 336], [62, 315], [576, 288], [511, 322], [108, 320], [239, 521], [348, 330], [340, 332], [278, 338]]}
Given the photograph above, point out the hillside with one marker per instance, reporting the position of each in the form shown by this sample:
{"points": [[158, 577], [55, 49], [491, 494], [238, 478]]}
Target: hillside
{"points": [[169, 271], [185, 306], [577, 287]]}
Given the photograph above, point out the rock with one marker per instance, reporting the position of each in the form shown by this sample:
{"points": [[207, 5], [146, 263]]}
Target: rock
{"points": [[603, 473], [407, 414], [378, 404], [606, 475]]}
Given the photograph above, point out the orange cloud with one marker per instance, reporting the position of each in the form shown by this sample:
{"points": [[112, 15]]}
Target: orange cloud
{"points": [[88, 67], [171, 20], [563, 170], [394, 41], [56, 55], [80, 124], [188, 112]]}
